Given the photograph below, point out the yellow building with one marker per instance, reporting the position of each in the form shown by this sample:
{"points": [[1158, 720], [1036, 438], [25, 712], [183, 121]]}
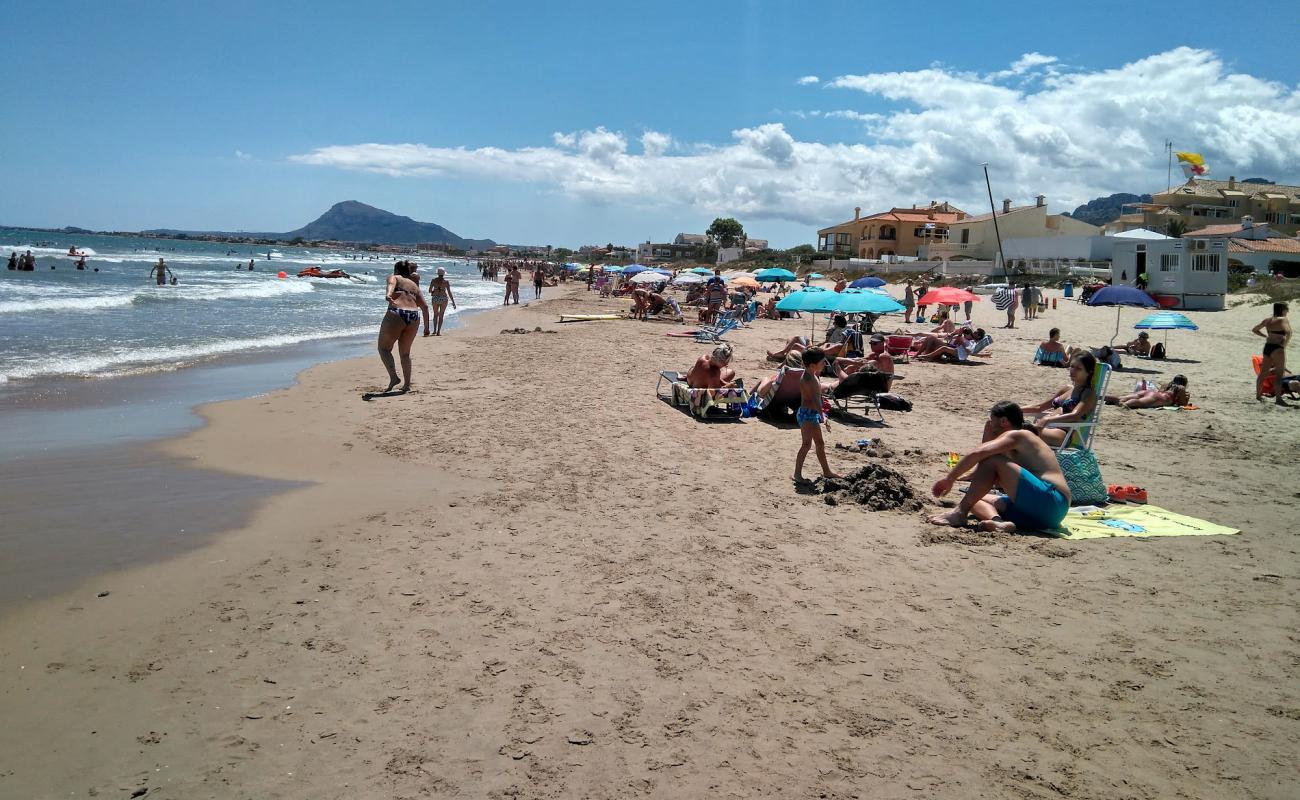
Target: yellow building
{"points": [[896, 232], [1201, 202], [976, 238]]}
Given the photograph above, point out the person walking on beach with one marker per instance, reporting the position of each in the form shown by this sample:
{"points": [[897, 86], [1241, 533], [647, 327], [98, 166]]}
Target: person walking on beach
{"points": [[400, 324], [920, 308], [1276, 331], [161, 270], [539, 280], [439, 294], [1005, 300], [810, 416], [909, 301]]}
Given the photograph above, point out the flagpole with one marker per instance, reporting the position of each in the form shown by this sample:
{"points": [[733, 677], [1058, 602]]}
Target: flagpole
{"points": [[1169, 171], [994, 209]]}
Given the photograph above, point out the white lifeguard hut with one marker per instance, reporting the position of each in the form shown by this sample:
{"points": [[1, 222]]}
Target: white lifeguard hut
{"points": [[1189, 274]]}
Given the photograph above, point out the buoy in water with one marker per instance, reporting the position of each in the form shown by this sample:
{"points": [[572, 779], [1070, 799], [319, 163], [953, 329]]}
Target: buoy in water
{"points": [[281, 275]]}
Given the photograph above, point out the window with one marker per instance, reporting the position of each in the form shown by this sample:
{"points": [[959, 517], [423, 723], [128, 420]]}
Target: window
{"points": [[965, 235], [1232, 204], [1169, 262], [1205, 262], [1274, 218]]}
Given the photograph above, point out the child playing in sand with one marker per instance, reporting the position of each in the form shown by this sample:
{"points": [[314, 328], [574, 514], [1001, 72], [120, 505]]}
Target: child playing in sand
{"points": [[810, 415]]}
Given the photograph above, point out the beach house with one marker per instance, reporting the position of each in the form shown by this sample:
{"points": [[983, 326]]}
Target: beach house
{"points": [[976, 238], [1200, 203], [1181, 273], [1256, 246], [896, 232]]}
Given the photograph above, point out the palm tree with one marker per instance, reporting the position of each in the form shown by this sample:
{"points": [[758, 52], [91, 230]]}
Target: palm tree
{"points": [[1176, 227]]}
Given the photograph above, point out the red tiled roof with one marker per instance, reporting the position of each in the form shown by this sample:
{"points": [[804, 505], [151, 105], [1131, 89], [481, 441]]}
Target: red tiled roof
{"points": [[1215, 230], [1264, 246]]}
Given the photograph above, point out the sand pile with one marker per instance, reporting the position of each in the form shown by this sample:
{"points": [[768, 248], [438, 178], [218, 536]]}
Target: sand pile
{"points": [[877, 487]]}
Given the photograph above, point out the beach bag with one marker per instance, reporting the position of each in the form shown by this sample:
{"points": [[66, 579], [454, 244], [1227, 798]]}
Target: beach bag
{"points": [[1158, 352], [1083, 476], [893, 402]]}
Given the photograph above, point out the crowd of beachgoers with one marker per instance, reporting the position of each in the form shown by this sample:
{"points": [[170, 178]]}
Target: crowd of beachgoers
{"points": [[1016, 477]]}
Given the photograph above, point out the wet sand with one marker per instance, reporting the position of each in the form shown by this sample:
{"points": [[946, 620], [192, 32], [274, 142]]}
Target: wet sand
{"points": [[531, 578]]}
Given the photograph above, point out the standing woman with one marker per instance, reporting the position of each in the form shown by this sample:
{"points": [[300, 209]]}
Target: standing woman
{"points": [[439, 294], [401, 323], [539, 280], [1276, 331]]}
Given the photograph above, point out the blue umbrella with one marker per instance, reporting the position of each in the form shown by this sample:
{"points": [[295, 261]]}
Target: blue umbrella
{"points": [[775, 274], [571, 267], [632, 269], [702, 271], [870, 282], [1120, 296], [813, 299], [1167, 321], [860, 301]]}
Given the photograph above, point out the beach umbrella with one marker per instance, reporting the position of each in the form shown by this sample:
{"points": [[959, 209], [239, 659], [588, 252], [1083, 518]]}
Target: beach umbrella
{"points": [[744, 280], [1167, 321], [606, 268], [813, 299], [632, 269], [702, 271], [946, 296], [815, 275], [775, 274], [648, 276], [688, 279], [659, 270], [864, 301], [870, 282], [1120, 296]]}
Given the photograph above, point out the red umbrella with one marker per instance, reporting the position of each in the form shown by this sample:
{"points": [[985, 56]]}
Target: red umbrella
{"points": [[946, 296]]}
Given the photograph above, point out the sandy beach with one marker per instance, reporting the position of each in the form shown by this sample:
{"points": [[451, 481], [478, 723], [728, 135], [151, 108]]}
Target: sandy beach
{"points": [[530, 578]]}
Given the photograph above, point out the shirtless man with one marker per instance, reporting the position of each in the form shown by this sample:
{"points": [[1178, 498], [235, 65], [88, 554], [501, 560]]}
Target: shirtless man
{"points": [[712, 371], [875, 357], [1035, 495]]}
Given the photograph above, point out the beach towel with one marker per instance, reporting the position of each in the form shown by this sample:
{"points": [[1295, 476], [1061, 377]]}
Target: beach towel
{"points": [[1090, 522]]}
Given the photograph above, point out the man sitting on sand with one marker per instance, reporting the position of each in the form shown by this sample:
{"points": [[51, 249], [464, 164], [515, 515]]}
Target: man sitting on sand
{"points": [[712, 371], [1140, 346], [1035, 495]]}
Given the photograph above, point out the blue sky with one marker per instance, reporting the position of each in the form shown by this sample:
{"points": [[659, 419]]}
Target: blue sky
{"points": [[252, 116]]}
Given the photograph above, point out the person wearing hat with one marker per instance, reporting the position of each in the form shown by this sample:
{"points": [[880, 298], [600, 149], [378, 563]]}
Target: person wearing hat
{"points": [[1140, 346], [876, 358]]}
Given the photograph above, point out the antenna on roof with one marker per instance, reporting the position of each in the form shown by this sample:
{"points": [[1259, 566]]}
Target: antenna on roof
{"points": [[1169, 171]]}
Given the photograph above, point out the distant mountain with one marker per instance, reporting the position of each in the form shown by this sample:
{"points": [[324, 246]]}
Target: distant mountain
{"points": [[351, 221], [1258, 180], [1106, 209]]}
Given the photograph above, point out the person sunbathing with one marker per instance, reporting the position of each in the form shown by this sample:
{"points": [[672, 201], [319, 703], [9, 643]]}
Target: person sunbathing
{"points": [[836, 341], [768, 309], [945, 329], [1034, 494], [712, 371], [1073, 403], [946, 325], [876, 358], [1173, 393], [1051, 353], [961, 346], [1140, 346]]}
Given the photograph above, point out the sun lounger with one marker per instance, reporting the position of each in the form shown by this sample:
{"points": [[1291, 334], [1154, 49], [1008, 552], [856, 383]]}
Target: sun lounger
{"points": [[702, 403], [862, 391], [713, 333], [783, 398]]}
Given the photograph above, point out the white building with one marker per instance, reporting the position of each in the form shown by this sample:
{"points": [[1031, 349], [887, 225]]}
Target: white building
{"points": [[1194, 272]]}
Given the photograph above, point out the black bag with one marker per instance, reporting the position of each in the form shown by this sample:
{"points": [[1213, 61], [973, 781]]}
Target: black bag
{"points": [[1158, 352], [893, 402]]}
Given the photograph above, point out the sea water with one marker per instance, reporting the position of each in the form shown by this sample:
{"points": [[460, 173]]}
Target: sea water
{"points": [[62, 322]]}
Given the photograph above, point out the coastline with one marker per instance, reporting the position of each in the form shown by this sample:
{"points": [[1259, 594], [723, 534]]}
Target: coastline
{"points": [[531, 577]]}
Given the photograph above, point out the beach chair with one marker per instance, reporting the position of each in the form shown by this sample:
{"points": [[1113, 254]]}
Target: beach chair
{"points": [[703, 403], [1046, 359], [783, 398], [899, 346], [1270, 382], [713, 333], [1081, 434], [861, 392]]}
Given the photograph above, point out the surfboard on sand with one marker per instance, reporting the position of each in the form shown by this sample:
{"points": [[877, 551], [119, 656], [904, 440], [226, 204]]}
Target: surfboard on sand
{"points": [[587, 317]]}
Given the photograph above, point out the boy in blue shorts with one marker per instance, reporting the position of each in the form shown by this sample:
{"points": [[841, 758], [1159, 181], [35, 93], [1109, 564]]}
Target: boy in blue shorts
{"points": [[1034, 493], [809, 415]]}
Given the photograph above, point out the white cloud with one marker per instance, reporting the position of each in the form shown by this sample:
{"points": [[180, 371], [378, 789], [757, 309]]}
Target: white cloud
{"points": [[1070, 135], [242, 156], [808, 80]]}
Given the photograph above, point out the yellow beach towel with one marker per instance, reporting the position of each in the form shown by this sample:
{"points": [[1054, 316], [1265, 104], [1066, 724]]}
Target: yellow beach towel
{"points": [[1087, 522]]}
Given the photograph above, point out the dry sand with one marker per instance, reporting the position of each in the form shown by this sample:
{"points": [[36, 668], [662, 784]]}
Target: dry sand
{"points": [[530, 578]]}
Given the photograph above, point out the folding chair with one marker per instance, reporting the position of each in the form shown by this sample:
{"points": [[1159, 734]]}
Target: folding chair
{"points": [[1081, 434]]}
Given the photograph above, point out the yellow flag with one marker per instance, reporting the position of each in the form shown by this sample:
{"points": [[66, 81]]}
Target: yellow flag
{"points": [[1194, 159]]}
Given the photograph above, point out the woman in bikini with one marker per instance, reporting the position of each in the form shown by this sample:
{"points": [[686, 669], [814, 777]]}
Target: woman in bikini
{"points": [[401, 322], [1276, 331], [1173, 393], [439, 294], [1073, 403]]}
